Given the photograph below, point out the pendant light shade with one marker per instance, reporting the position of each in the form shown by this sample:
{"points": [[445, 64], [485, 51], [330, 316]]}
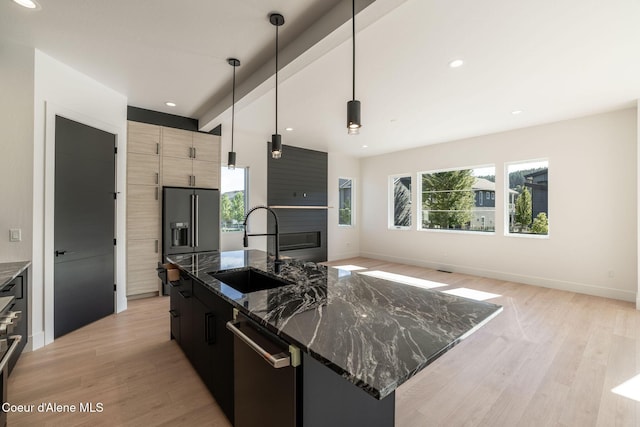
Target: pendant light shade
{"points": [[276, 20], [354, 123], [231, 162]]}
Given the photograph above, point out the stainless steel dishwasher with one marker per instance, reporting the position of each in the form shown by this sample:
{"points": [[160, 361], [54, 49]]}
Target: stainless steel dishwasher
{"points": [[265, 377]]}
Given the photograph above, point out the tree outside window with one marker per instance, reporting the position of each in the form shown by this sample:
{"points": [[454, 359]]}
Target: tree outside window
{"points": [[345, 206], [233, 198], [458, 199], [528, 198]]}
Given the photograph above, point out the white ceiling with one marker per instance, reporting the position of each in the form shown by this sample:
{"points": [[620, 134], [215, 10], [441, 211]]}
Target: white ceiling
{"points": [[551, 59]]}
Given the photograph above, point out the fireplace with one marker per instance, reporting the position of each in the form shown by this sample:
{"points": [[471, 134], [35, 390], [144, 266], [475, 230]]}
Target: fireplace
{"points": [[297, 241]]}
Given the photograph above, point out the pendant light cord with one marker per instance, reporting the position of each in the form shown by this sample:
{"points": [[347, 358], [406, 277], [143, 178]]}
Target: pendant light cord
{"points": [[353, 40], [276, 79], [233, 105]]}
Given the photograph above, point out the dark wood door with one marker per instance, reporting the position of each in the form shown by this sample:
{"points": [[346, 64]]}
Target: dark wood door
{"points": [[84, 225]]}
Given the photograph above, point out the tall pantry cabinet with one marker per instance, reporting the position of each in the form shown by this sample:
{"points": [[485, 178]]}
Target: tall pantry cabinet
{"points": [[158, 156]]}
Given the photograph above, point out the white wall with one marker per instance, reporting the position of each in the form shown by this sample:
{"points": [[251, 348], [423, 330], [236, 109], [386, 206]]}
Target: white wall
{"points": [[16, 161], [61, 90], [343, 242], [592, 246]]}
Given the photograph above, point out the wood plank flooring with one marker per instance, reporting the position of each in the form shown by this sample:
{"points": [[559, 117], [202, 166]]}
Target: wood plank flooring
{"points": [[550, 358]]}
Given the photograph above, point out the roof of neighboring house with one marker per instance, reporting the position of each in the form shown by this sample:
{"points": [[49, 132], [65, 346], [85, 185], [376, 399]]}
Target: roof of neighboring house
{"points": [[482, 184], [540, 172]]}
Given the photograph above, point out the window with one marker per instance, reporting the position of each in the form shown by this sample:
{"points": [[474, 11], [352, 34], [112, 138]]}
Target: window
{"points": [[345, 201], [400, 203], [233, 198], [528, 198], [458, 199]]}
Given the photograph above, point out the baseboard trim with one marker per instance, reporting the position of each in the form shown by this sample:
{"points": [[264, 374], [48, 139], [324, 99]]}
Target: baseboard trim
{"points": [[561, 285], [35, 342]]}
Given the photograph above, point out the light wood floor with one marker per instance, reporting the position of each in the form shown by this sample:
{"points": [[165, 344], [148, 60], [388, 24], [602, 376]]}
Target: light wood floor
{"points": [[550, 358]]}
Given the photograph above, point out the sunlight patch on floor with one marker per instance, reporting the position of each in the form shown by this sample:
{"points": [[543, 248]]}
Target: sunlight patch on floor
{"points": [[407, 280], [629, 388], [471, 294], [349, 267]]}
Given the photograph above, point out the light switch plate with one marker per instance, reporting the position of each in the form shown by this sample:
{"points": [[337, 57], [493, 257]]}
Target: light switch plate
{"points": [[15, 235]]}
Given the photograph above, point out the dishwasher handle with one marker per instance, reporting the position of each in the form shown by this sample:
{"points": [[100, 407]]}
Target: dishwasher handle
{"points": [[277, 361]]}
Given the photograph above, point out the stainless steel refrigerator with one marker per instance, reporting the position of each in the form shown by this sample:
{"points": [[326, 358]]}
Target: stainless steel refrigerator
{"points": [[190, 220]]}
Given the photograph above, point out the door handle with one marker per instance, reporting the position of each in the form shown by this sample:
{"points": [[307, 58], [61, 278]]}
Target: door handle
{"points": [[59, 253]]}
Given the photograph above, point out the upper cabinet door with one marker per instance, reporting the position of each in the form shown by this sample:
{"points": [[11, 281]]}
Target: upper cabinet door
{"points": [[143, 138], [205, 174], [177, 143], [206, 147], [143, 169]]}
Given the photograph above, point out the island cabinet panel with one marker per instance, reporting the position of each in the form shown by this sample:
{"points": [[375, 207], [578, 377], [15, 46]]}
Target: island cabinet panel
{"points": [[205, 340], [185, 310], [330, 400]]}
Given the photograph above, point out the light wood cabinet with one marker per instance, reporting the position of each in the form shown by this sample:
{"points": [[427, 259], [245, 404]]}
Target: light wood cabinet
{"points": [[143, 138], [177, 143], [143, 169], [177, 172], [190, 159], [141, 274], [159, 156], [143, 212]]}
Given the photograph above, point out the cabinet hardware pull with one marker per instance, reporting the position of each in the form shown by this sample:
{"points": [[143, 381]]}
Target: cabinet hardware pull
{"points": [[16, 340], [174, 313], [157, 178], [280, 360], [157, 148], [184, 294], [194, 180], [156, 193], [156, 245], [194, 152]]}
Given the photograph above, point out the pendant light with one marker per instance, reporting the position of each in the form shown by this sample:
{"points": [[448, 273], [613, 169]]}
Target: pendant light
{"points": [[231, 163], [353, 107], [276, 20]]}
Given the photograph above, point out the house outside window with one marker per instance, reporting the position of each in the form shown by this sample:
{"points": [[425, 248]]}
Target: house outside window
{"points": [[400, 202], [458, 199], [345, 202], [233, 198], [527, 209]]}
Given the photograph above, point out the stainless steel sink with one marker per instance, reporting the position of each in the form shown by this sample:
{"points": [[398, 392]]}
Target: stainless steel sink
{"points": [[249, 280]]}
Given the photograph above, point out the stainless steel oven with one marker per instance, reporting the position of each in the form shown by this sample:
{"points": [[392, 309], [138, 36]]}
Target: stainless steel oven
{"points": [[9, 344]]}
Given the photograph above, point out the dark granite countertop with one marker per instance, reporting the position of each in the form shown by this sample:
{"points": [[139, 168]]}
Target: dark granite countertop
{"points": [[10, 270], [375, 333]]}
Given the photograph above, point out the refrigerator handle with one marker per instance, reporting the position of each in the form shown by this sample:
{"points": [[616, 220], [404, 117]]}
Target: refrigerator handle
{"points": [[197, 218], [193, 224]]}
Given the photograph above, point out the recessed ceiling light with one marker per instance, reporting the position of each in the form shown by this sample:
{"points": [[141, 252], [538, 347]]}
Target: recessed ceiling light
{"points": [[365, 146], [456, 63], [170, 104], [29, 4], [516, 112], [288, 129]]}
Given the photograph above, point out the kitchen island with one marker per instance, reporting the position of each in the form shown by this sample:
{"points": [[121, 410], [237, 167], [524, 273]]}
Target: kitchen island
{"points": [[365, 336]]}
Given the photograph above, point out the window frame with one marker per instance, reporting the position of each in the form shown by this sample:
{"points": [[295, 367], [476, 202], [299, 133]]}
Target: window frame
{"points": [[246, 196], [353, 202], [506, 203], [391, 201], [481, 197]]}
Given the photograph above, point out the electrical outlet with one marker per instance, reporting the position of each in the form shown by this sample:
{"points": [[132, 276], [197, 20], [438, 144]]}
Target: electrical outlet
{"points": [[15, 235]]}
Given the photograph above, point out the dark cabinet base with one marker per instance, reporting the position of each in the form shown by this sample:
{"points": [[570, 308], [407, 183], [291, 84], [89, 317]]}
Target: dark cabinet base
{"points": [[330, 400]]}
